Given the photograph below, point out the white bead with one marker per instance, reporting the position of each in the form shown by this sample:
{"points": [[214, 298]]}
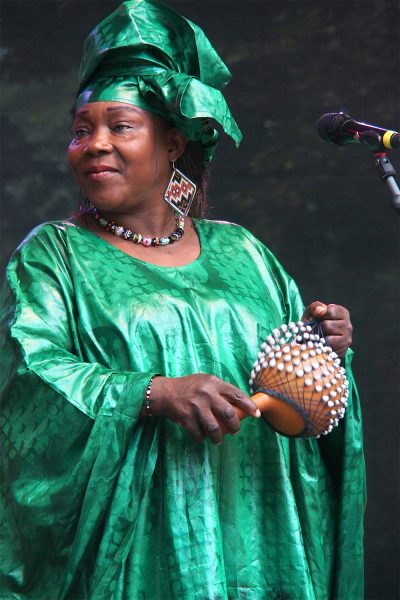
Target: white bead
{"points": [[278, 354], [325, 398], [308, 382], [286, 349], [296, 362], [333, 412], [318, 388], [330, 403], [289, 368], [276, 333], [258, 368], [272, 363], [299, 373], [307, 368], [280, 366], [332, 393]]}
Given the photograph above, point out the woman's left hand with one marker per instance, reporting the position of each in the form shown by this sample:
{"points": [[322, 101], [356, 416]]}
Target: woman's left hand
{"points": [[335, 323]]}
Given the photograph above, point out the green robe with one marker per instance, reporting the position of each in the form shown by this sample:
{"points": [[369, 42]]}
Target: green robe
{"points": [[102, 505]]}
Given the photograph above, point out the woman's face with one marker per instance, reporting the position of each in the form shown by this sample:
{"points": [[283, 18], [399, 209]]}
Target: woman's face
{"points": [[121, 155]]}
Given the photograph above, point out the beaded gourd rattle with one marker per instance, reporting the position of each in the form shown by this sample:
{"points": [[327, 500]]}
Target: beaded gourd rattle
{"points": [[298, 383]]}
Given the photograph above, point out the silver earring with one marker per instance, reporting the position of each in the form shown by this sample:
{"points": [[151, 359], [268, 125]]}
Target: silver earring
{"points": [[180, 192]]}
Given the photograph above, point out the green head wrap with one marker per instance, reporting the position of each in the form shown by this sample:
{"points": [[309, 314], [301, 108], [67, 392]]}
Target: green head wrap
{"points": [[146, 54]]}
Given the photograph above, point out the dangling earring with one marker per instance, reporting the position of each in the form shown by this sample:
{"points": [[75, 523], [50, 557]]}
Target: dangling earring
{"points": [[180, 192]]}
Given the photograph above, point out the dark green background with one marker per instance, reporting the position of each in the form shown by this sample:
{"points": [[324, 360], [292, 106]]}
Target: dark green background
{"points": [[320, 208]]}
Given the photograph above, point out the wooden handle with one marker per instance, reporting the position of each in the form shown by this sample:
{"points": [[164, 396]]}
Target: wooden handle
{"points": [[279, 414]]}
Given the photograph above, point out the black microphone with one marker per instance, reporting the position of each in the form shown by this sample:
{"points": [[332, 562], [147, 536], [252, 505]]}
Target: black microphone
{"points": [[342, 129]]}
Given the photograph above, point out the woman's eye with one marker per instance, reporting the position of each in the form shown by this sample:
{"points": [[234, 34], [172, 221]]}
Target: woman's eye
{"points": [[80, 133], [122, 127]]}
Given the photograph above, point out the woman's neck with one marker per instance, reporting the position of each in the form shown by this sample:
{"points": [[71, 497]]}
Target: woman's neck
{"points": [[149, 221]]}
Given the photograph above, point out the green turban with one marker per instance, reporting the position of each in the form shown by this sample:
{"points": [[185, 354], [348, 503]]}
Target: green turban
{"points": [[146, 54]]}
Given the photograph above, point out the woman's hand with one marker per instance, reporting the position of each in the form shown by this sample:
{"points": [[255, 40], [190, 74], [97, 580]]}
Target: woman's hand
{"points": [[335, 323], [201, 404]]}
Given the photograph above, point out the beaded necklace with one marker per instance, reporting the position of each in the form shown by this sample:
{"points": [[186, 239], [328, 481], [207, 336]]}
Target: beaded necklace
{"points": [[138, 238]]}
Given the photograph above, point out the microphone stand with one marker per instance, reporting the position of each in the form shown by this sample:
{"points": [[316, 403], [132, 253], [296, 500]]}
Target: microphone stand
{"points": [[387, 173]]}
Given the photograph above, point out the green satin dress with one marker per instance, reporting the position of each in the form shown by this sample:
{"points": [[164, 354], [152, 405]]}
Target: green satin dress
{"points": [[101, 505]]}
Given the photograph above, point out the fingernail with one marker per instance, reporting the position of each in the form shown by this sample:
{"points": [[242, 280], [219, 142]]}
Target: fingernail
{"points": [[258, 413]]}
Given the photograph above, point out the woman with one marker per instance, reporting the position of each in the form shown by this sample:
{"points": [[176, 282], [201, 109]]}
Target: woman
{"points": [[130, 334]]}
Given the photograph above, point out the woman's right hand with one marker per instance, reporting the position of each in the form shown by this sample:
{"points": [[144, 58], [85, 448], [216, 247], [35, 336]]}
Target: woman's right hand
{"points": [[201, 404]]}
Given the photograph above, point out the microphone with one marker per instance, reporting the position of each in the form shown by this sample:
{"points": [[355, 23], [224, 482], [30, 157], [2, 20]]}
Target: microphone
{"points": [[342, 129]]}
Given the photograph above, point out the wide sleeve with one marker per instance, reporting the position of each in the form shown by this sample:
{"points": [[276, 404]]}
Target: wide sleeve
{"points": [[67, 427], [333, 467]]}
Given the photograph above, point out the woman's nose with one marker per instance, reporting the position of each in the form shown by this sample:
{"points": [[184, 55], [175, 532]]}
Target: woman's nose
{"points": [[98, 143]]}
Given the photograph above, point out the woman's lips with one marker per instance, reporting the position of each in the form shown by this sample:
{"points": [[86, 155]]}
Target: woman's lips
{"points": [[100, 172]]}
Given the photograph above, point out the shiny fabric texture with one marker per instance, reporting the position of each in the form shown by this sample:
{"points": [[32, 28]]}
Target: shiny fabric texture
{"points": [[98, 504], [148, 55]]}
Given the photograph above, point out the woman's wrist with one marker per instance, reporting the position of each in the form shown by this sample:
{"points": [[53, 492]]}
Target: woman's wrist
{"points": [[147, 398], [152, 397]]}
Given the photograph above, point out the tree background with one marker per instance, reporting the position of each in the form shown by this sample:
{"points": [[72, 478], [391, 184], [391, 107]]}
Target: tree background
{"points": [[319, 207]]}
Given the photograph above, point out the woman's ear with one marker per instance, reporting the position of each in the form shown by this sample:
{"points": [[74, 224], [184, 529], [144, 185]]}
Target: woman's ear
{"points": [[176, 145]]}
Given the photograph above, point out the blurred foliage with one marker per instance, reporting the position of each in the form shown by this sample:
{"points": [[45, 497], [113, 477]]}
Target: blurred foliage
{"points": [[319, 207]]}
